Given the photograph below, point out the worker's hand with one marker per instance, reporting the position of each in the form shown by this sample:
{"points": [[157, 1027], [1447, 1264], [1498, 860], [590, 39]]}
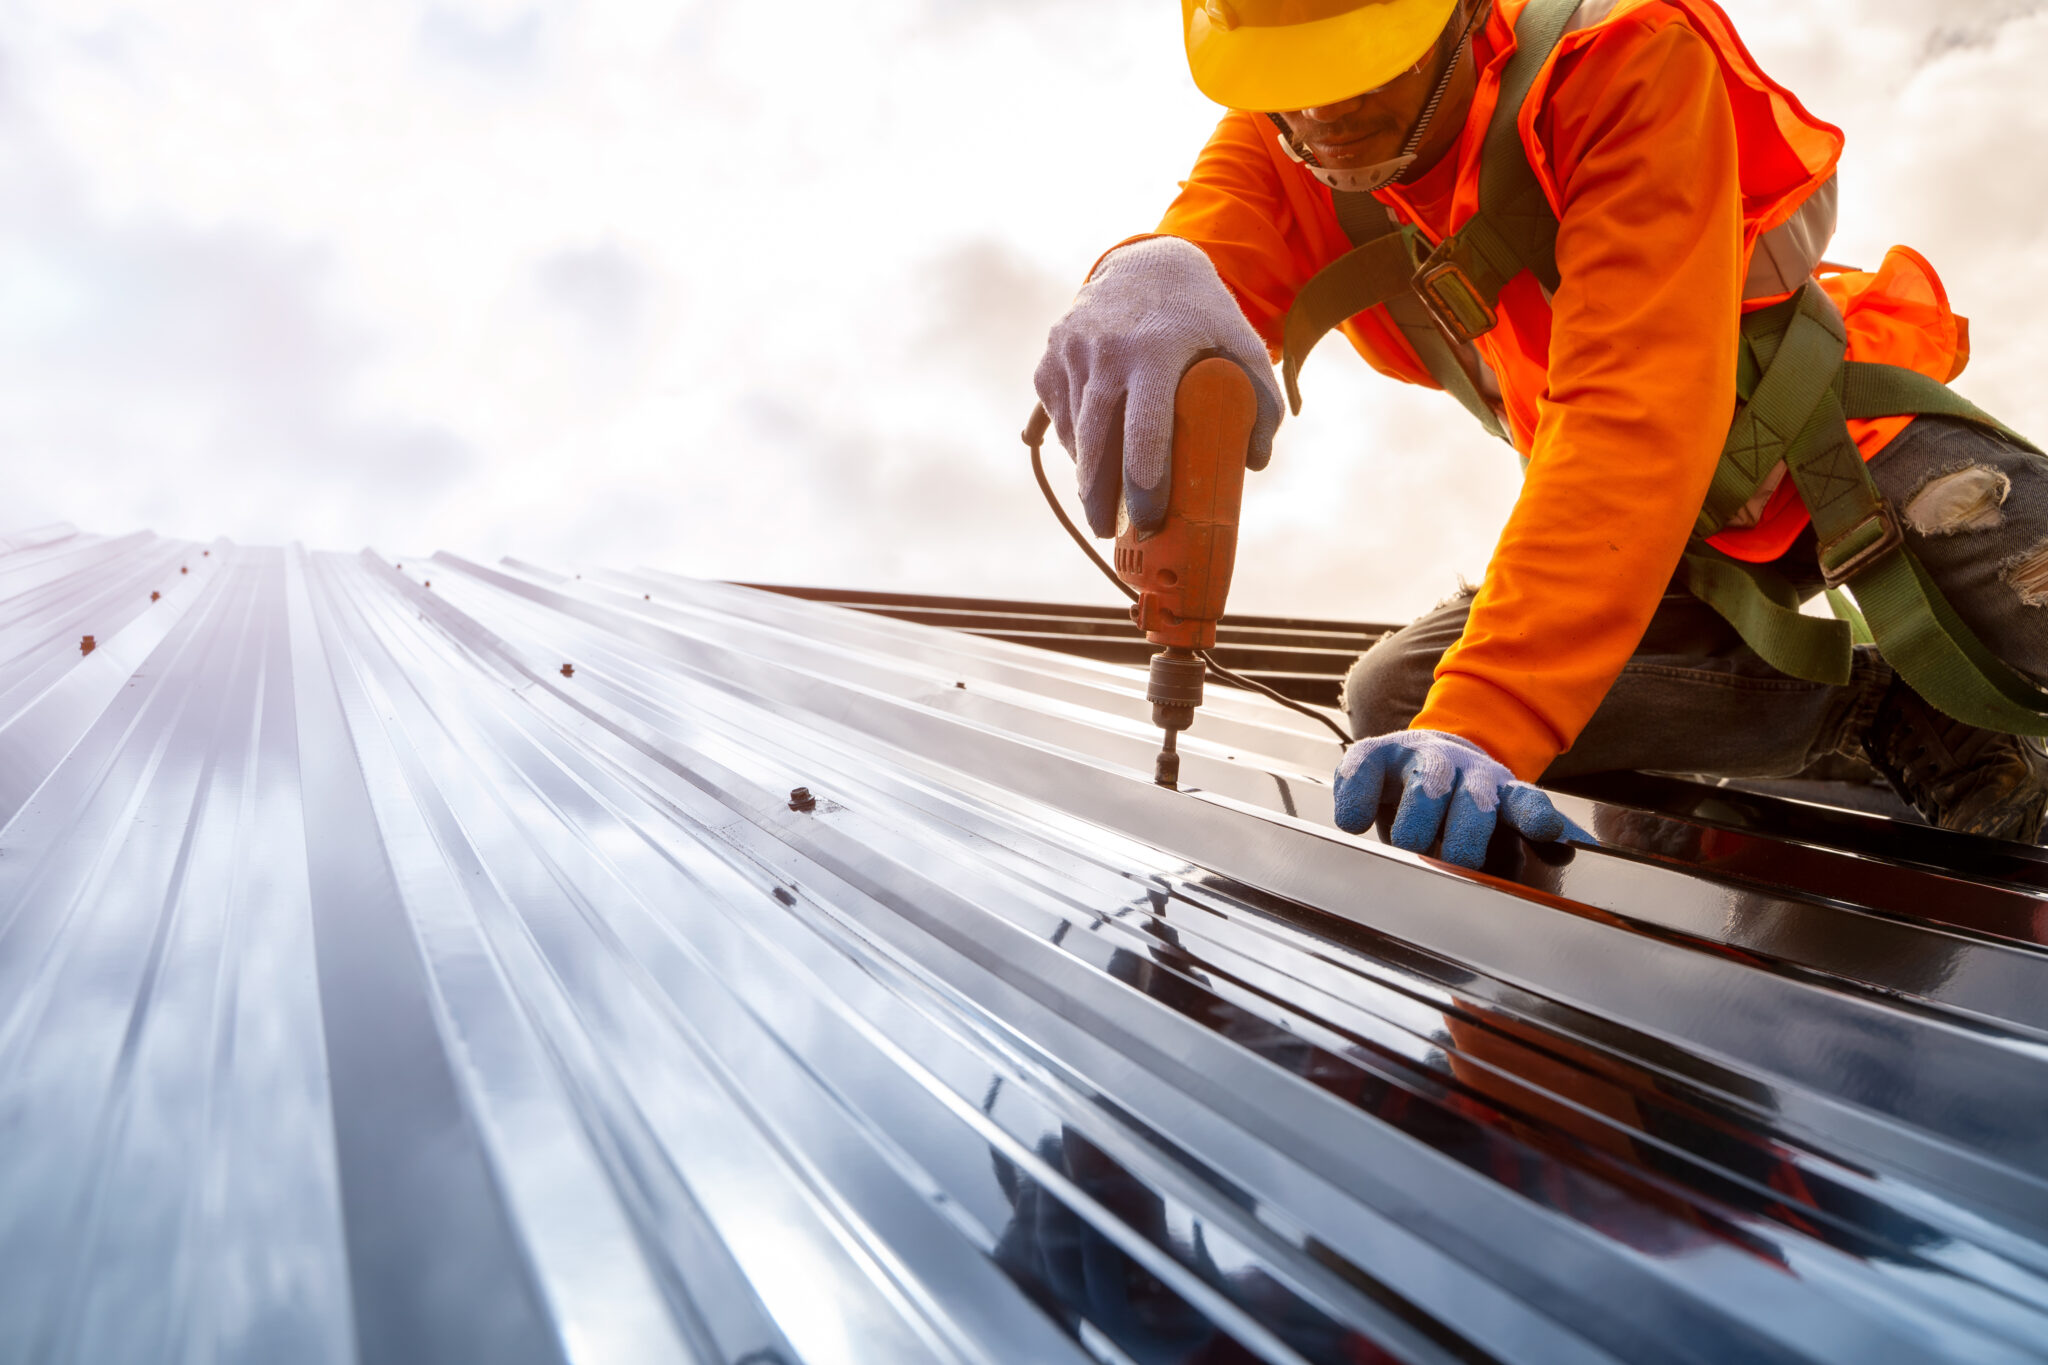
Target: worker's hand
{"points": [[1114, 362], [1448, 786]]}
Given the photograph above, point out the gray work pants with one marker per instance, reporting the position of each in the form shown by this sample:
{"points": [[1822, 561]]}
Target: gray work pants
{"points": [[1695, 699]]}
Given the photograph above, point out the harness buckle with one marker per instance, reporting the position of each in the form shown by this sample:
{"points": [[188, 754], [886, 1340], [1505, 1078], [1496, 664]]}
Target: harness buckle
{"points": [[1856, 560], [1451, 297]]}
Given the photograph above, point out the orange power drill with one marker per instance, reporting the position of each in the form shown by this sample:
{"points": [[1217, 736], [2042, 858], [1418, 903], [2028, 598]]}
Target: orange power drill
{"points": [[1182, 571], [1178, 575]]}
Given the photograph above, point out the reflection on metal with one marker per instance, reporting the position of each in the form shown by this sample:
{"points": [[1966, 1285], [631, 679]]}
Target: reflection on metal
{"points": [[794, 983]]}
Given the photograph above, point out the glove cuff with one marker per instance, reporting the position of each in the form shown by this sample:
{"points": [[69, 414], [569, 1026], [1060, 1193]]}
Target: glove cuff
{"points": [[1148, 254]]}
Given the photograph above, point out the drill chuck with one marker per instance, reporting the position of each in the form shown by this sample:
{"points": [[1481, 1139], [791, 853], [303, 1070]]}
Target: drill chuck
{"points": [[1175, 688]]}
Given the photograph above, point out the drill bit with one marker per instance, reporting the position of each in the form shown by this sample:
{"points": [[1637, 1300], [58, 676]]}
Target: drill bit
{"points": [[1166, 768], [1175, 689]]}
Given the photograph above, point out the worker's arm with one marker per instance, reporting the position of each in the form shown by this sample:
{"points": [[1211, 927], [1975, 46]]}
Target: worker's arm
{"points": [[1641, 389]]}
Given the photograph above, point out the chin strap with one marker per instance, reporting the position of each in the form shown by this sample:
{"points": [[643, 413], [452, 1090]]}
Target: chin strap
{"points": [[1359, 180], [1379, 175]]}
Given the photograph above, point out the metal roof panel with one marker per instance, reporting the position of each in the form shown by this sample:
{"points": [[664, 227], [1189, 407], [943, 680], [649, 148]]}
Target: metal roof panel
{"points": [[373, 986]]}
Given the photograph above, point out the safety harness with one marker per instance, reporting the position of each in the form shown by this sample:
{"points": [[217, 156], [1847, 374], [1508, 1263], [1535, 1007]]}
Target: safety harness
{"points": [[1796, 393]]}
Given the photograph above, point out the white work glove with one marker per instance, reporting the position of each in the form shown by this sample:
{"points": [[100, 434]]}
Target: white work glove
{"points": [[1113, 364], [1450, 788]]}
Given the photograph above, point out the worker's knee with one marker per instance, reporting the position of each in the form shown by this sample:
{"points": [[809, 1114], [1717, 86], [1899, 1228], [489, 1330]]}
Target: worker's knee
{"points": [[1388, 684]]}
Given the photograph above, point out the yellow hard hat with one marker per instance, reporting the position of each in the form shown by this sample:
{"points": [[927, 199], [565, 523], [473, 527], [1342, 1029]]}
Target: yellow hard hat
{"points": [[1279, 55]]}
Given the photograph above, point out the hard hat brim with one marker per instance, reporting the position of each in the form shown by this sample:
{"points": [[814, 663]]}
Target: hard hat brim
{"points": [[1281, 68]]}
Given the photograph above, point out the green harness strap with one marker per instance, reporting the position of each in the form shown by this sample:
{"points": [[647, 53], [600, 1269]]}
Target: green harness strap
{"points": [[1779, 398], [1375, 270], [1453, 289], [1366, 222], [1515, 228]]}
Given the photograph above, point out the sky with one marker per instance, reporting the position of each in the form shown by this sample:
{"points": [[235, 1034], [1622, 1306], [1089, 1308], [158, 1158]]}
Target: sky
{"points": [[754, 291]]}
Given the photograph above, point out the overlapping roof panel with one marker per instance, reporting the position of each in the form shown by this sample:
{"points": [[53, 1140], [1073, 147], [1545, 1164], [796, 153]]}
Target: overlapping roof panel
{"points": [[430, 963]]}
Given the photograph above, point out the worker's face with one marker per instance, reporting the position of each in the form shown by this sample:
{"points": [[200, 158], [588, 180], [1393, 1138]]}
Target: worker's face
{"points": [[1370, 128]]}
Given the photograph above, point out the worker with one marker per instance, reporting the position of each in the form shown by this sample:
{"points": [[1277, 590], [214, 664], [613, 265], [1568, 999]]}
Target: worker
{"points": [[1600, 228]]}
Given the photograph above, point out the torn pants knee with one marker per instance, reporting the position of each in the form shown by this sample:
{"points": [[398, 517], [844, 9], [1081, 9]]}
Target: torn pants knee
{"points": [[1974, 509]]}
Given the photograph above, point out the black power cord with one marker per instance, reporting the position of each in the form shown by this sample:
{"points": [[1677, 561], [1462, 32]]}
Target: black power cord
{"points": [[1034, 437]]}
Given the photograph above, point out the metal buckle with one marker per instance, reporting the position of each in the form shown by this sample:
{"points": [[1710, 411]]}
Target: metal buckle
{"points": [[1890, 539], [1452, 299]]}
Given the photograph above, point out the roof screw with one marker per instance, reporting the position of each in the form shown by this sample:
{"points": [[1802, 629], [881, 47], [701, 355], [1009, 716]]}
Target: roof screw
{"points": [[183, 569], [568, 670], [86, 646], [646, 597], [961, 685], [800, 798], [428, 584], [208, 554], [154, 596]]}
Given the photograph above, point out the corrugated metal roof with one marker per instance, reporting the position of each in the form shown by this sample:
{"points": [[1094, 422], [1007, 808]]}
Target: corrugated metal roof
{"points": [[400, 972]]}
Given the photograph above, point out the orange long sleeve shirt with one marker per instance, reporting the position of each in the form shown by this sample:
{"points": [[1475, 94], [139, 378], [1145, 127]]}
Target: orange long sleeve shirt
{"points": [[1618, 390]]}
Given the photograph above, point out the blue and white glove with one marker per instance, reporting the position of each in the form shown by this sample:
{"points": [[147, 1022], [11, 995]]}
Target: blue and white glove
{"points": [[1113, 364], [1448, 785]]}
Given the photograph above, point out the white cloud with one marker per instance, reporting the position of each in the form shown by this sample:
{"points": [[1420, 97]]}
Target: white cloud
{"points": [[754, 291], [492, 42], [198, 378]]}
